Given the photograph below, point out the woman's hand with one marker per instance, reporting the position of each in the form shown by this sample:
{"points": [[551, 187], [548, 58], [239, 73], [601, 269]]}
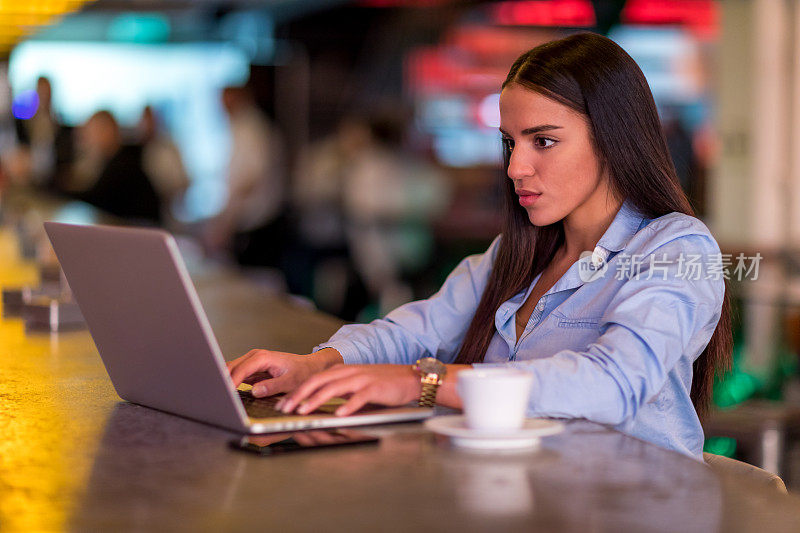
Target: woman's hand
{"points": [[383, 384], [275, 372]]}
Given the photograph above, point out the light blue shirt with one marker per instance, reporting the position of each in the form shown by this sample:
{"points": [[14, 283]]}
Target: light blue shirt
{"points": [[612, 341]]}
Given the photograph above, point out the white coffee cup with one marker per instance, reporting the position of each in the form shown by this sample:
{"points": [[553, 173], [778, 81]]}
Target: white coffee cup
{"points": [[494, 399]]}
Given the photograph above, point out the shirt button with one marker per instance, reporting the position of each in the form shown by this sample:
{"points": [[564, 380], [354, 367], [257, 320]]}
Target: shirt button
{"points": [[599, 256], [540, 307]]}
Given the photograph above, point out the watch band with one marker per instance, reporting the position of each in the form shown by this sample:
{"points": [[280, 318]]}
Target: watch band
{"points": [[430, 386], [431, 373]]}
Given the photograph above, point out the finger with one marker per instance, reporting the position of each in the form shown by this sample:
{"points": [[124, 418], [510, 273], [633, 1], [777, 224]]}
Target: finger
{"points": [[236, 363], [313, 383], [272, 386], [255, 378], [261, 362], [331, 390], [356, 402]]}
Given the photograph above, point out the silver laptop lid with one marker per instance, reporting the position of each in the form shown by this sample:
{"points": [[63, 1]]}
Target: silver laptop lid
{"points": [[147, 321]]}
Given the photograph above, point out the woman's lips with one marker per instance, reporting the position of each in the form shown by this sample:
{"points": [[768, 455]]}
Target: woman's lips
{"points": [[527, 200]]}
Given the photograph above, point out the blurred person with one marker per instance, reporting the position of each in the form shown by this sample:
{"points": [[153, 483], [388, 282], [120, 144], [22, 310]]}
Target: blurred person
{"points": [[590, 186], [46, 144], [322, 267], [390, 198], [252, 223], [162, 162], [109, 174]]}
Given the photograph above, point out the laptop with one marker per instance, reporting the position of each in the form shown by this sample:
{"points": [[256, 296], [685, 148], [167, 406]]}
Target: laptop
{"points": [[155, 340]]}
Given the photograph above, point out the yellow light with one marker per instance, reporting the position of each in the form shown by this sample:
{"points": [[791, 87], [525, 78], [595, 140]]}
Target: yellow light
{"points": [[27, 16], [37, 463]]}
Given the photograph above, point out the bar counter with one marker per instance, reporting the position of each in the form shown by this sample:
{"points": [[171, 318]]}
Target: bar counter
{"points": [[74, 457]]}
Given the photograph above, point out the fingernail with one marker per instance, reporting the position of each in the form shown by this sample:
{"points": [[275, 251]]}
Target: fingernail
{"points": [[279, 404], [303, 409], [259, 391], [339, 411], [286, 407]]}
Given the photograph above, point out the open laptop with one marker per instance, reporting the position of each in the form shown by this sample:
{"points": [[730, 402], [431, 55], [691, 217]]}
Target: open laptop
{"points": [[155, 340]]}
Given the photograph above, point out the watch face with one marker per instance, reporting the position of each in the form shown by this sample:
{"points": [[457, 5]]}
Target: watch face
{"points": [[429, 365]]}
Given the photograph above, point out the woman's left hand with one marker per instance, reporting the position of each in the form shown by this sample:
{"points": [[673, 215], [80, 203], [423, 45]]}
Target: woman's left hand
{"points": [[383, 384]]}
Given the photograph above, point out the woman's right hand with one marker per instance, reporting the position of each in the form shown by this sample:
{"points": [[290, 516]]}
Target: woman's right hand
{"points": [[275, 372]]}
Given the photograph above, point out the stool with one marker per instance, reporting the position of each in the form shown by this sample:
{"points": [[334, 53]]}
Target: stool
{"points": [[722, 464], [763, 430]]}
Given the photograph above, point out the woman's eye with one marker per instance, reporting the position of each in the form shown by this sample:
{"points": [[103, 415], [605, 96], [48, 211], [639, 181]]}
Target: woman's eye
{"points": [[508, 143], [542, 142]]}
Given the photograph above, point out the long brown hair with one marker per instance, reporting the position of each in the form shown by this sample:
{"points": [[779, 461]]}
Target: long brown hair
{"points": [[595, 77]]}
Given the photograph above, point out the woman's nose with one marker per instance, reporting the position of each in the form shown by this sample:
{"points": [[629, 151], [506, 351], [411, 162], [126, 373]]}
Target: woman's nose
{"points": [[519, 167]]}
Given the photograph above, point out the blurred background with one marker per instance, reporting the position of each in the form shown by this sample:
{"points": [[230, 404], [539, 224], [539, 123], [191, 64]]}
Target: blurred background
{"points": [[347, 152]]}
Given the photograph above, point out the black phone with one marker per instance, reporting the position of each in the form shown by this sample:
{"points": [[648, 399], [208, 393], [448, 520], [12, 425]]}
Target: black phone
{"points": [[280, 443]]}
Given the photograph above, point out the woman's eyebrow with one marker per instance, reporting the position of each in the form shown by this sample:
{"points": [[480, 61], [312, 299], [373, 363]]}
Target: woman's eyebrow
{"points": [[535, 129]]}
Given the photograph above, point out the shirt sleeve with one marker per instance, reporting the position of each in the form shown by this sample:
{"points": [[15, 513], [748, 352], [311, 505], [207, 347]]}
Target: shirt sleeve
{"points": [[648, 328], [432, 327]]}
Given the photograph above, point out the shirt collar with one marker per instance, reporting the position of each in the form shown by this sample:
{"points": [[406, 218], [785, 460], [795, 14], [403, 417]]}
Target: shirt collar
{"points": [[626, 223]]}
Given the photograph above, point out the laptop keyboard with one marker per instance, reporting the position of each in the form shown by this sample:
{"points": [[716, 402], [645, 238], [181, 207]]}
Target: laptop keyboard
{"points": [[265, 407]]}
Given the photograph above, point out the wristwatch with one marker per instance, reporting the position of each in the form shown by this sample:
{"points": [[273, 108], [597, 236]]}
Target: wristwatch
{"points": [[431, 372]]}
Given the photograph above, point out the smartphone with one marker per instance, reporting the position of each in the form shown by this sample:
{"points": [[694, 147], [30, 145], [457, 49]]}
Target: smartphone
{"points": [[280, 443]]}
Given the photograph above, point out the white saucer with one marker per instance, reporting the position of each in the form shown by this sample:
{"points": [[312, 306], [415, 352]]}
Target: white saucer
{"points": [[454, 426]]}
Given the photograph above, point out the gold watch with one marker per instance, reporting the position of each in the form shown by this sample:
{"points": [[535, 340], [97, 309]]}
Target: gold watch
{"points": [[431, 372]]}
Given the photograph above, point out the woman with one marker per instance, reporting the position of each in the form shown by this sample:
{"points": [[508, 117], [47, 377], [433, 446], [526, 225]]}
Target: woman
{"points": [[626, 335]]}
